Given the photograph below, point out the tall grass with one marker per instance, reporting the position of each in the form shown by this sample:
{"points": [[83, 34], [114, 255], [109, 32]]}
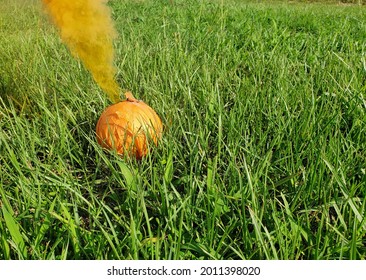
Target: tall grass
{"points": [[263, 153]]}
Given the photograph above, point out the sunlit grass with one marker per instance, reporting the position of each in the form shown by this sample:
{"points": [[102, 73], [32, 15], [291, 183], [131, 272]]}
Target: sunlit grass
{"points": [[263, 153]]}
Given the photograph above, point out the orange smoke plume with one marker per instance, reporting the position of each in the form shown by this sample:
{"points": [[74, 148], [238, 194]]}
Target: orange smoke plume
{"points": [[87, 29]]}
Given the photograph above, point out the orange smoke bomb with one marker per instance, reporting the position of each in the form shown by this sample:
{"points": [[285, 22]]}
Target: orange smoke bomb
{"points": [[86, 27]]}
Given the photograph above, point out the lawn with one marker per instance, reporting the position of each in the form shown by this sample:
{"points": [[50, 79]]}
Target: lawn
{"points": [[263, 154]]}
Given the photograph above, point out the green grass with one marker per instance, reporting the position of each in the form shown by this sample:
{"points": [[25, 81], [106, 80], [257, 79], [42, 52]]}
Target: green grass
{"points": [[263, 153]]}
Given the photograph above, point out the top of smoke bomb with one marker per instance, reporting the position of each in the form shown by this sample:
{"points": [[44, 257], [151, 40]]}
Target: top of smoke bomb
{"points": [[86, 27]]}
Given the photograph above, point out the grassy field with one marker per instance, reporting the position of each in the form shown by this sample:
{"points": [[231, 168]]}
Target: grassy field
{"points": [[264, 147]]}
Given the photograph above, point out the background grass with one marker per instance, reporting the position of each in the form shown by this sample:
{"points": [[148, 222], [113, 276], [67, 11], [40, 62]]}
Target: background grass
{"points": [[263, 154]]}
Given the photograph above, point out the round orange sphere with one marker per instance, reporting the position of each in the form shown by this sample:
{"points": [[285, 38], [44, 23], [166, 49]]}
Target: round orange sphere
{"points": [[128, 127]]}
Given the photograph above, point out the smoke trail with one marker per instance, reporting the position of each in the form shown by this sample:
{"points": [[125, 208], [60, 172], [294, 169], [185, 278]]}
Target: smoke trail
{"points": [[87, 29]]}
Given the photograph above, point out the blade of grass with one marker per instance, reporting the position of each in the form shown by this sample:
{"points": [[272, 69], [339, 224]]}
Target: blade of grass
{"points": [[14, 230]]}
